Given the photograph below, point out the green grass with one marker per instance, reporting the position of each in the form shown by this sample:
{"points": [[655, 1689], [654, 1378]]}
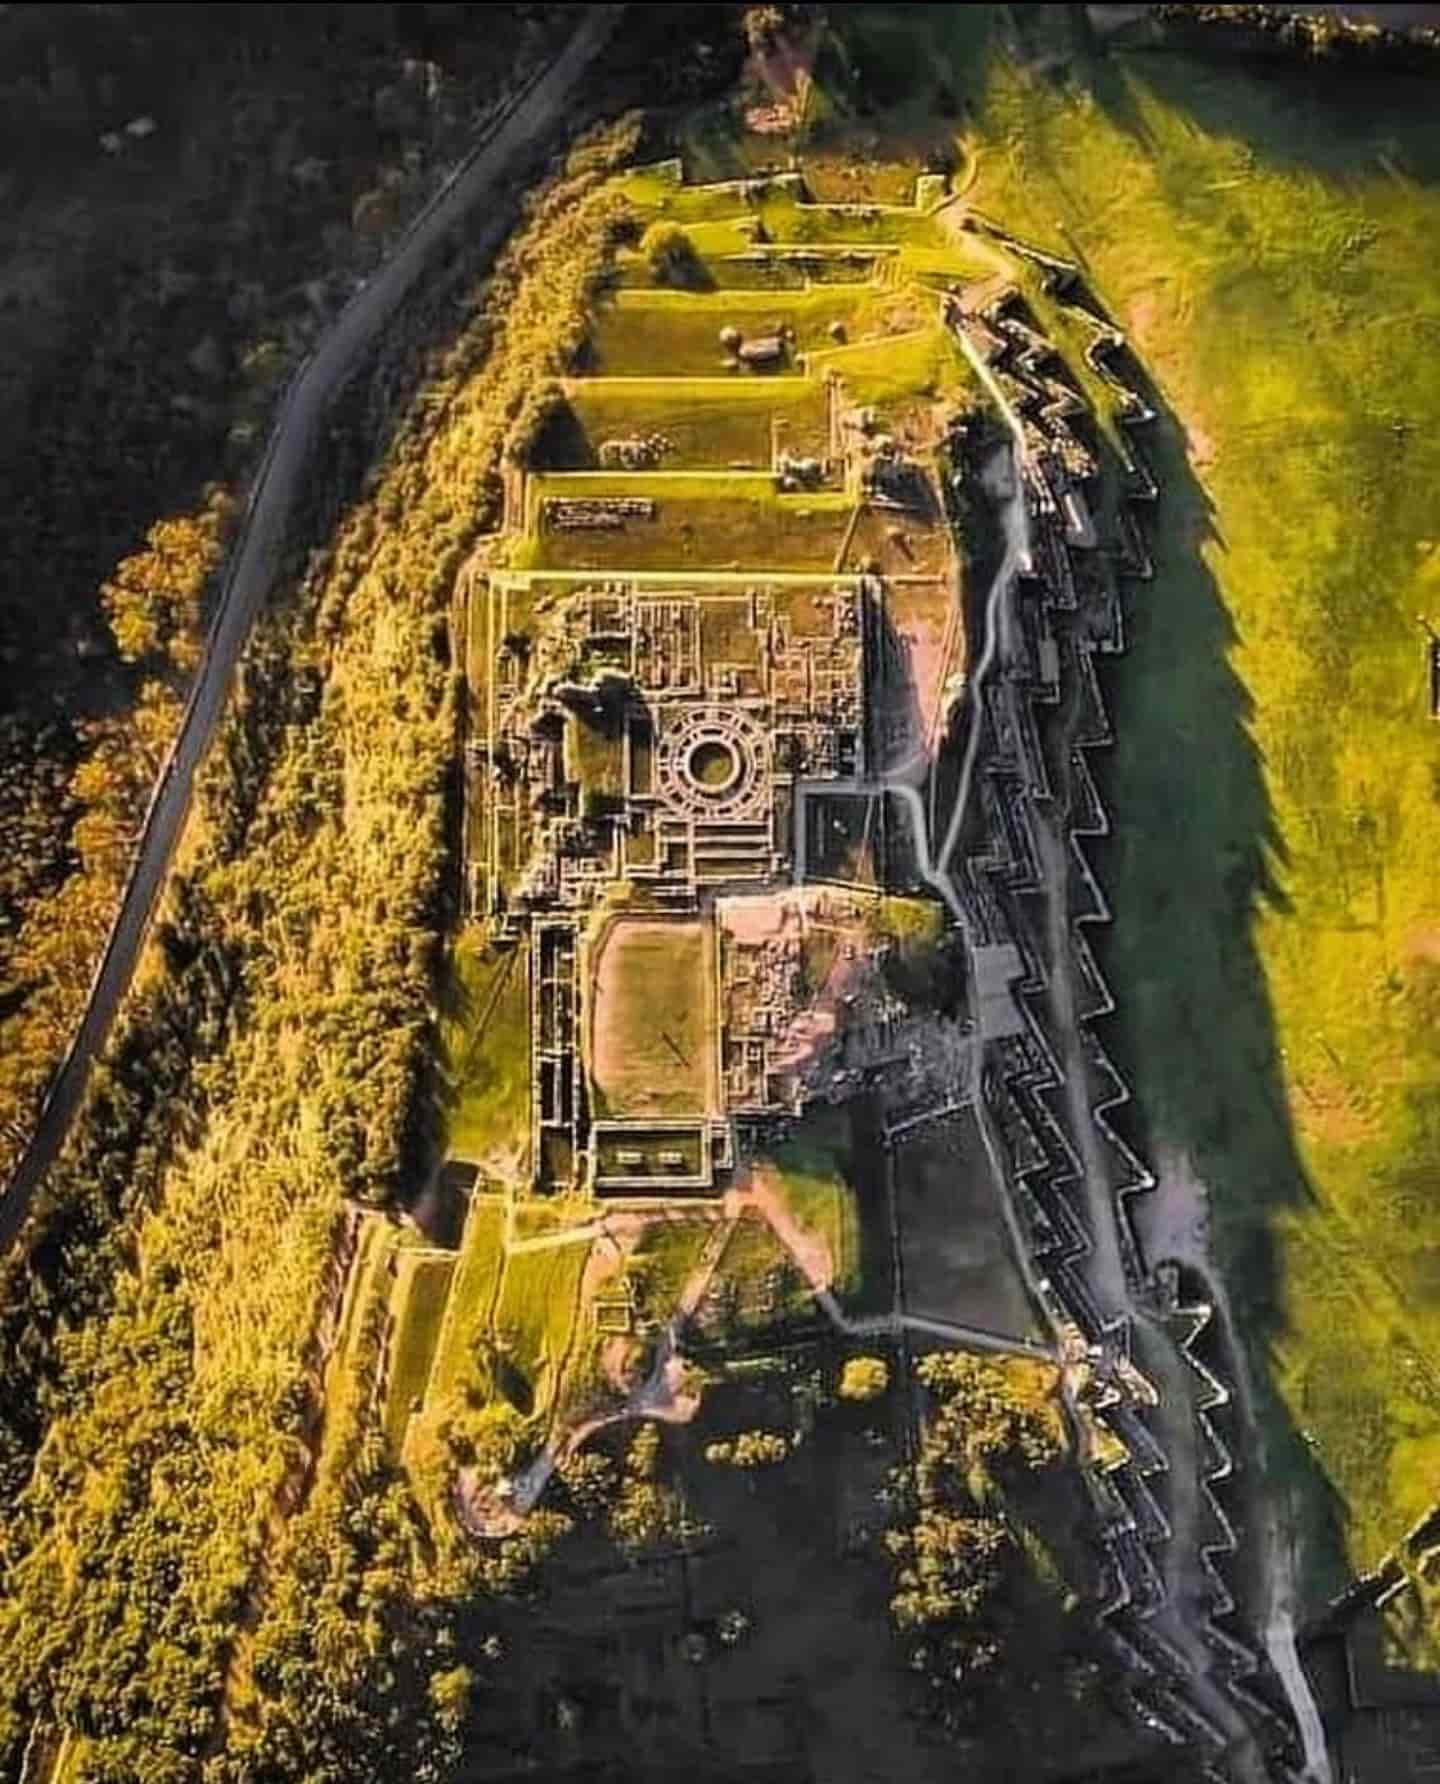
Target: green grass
{"points": [[636, 331], [534, 1317], [667, 1256], [1276, 780], [486, 1057], [417, 1307], [651, 1047], [811, 1167], [712, 424], [702, 521], [474, 1289], [753, 1261], [523, 1304], [881, 372]]}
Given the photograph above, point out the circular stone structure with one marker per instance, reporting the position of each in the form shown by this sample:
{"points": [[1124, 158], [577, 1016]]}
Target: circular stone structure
{"points": [[713, 762], [714, 765]]}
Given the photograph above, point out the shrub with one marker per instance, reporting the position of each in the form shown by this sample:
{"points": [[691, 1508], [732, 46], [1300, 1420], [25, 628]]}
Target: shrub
{"points": [[864, 1378], [670, 255]]}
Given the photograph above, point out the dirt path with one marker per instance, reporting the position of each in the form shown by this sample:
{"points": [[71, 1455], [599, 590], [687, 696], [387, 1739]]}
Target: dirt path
{"points": [[510, 137]]}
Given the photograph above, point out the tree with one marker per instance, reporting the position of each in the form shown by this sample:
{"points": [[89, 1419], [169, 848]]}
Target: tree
{"points": [[450, 1693], [495, 1438], [763, 26], [670, 254], [864, 1378], [751, 1449]]}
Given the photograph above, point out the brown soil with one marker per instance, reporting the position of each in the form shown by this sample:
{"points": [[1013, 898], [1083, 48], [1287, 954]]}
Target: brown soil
{"points": [[1327, 1109]]}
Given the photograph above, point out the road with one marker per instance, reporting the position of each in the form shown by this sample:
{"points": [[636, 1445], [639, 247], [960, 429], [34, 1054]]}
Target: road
{"points": [[511, 136]]}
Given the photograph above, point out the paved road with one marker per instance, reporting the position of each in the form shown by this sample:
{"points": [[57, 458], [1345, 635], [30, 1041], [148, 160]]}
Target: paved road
{"points": [[519, 129]]}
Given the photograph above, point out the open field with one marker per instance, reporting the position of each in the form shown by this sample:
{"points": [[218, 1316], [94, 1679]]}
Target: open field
{"points": [[651, 1034], [417, 1309], [1276, 773], [923, 360], [702, 520], [474, 1288], [665, 1259], [519, 1308], [534, 1321], [811, 1171], [637, 331], [956, 1261], [486, 1065], [712, 423]]}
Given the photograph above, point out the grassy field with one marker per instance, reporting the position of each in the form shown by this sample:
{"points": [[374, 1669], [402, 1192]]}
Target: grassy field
{"points": [[652, 1044], [417, 1308], [666, 1257], [470, 1308], [702, 520], [711, 423], [518, 1306], [1276, 950], [811, 1171], [486, 1057], [636, 331], [755, 1268], [534, 1320], [924, 359]]}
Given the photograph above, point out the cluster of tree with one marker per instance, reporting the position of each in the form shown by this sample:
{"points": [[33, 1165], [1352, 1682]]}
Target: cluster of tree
{"points": [[79, 856], [751, 1449], [643, 1510], [671, 256], [153, 599], [195, 260], [1358, 42], [864, 1379], [955, 1549], [48, 967], [767, 27], [157, 1322]]}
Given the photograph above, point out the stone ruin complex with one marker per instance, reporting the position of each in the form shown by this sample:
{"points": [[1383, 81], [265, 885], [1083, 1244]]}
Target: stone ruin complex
{"points": [[665, 739]]}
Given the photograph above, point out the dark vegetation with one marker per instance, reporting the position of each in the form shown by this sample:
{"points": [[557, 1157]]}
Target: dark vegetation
{"points": [[266, 1072], [982, 1599], [1357, 43], [156, 288]]}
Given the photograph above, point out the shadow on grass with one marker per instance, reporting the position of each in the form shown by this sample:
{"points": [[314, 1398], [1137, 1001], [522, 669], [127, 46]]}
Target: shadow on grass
{"points": [[1194, 859], [1297, 113], [439, 1092]]}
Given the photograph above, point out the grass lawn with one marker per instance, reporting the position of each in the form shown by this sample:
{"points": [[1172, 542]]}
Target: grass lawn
{"points": [[474, 1288], [923, 360], [652, 1040], [637, 331], [486, 1057], [811, 1170], [1276, 781], [524, 1304], [712, 423], [664, 1261], [534, 1318], [417, 1307], [768, 1289], [702, 521]]}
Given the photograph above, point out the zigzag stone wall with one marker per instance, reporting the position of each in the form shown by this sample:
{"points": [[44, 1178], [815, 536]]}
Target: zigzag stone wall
{"points": [[1048, 1092]]}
